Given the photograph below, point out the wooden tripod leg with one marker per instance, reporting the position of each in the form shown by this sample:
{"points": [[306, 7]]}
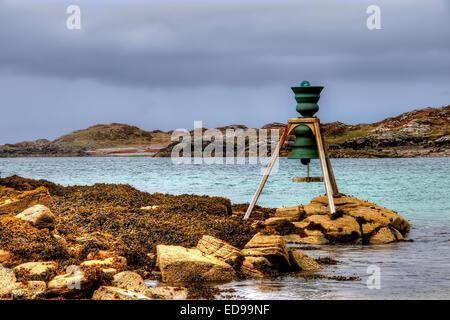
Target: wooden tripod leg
{"points": [[323, 164], [267, 172], [332, 178]]}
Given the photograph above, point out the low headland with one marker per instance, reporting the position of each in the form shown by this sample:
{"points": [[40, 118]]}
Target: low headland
{"points": [[102, 241], [418, 133]]}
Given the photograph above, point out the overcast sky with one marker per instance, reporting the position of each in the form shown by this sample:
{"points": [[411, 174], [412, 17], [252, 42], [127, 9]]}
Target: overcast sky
{"points": [[164, 64]]}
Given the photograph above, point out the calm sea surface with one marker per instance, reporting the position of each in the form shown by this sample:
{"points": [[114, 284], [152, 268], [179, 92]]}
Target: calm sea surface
{"points": [[418, 189]]}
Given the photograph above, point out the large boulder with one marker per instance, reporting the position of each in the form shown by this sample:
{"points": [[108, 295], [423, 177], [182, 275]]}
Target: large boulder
{"points": [[7, 282], [301, 261], [271, 247], [24, 200], [114, 293], [39, 216], [179, 264], [218, 249], [130, 281], [43, 270]]}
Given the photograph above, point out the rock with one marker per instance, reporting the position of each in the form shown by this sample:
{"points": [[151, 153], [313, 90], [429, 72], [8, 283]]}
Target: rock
{"points": [[149, 208], [308, 237], [36, 270], [39, 216], [218, 249], [70, 284], [111, 262], [343, 229], [314, 208], [275, 221], [114, 293], [383, 235], [256, 267], [366, 212], [301, 261], [130, 281], [29, 290], [4, 255], [167, 293], [178, 264], [109, 271], [293, 213], [7, 282], [26, 199], [271, 247]]}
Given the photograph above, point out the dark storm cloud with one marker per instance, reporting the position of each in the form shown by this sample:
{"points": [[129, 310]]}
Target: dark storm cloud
{"points": [[231, 44]]}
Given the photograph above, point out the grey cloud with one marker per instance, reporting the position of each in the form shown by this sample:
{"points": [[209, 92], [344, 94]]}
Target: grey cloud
{"points": [[233, 44]]}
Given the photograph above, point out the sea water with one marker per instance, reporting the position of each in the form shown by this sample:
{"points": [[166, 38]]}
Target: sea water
{"points": [[418, 189]]}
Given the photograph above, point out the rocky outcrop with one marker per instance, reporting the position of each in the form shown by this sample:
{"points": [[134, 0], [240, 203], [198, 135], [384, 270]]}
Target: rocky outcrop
{"points": [[356, 221], [39, 216], [178, 264]]}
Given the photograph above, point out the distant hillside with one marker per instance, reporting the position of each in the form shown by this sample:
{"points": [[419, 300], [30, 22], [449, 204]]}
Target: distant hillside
{"points": [[423, 132]]}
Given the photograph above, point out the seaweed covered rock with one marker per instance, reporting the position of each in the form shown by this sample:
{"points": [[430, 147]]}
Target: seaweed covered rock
{"points": [[42, 270], [179, 264], [27, 243], [271, 247], [14, 202], [39, 216], [4, 255]]}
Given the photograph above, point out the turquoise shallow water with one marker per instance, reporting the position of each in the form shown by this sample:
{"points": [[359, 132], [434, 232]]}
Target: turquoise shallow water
{"points": [[417, 189]]}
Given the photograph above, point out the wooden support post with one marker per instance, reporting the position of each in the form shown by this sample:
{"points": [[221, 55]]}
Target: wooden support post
{"points": [[267, 172], [323, 164]]}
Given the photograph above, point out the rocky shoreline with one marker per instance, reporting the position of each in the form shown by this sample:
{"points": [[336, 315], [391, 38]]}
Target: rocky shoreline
{"points": [[100, 242], [418, 133]]}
